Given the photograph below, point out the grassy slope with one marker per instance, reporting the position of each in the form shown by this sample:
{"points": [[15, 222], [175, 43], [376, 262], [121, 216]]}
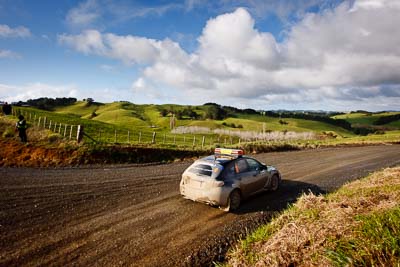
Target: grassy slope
{"points": [[141, 116], [366, 119], [80, 109], [359, 225], [296, 125], [146, 119]]}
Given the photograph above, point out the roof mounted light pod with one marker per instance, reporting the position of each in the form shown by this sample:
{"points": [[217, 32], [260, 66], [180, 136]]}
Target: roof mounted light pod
{"points": [[228, 152]]}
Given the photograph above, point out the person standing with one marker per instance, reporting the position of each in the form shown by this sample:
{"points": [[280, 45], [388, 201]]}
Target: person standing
{"points": [[7, 109], [21, 127]]}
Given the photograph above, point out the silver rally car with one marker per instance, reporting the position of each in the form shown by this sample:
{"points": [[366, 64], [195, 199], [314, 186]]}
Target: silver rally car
{"points": [[226, 178]]}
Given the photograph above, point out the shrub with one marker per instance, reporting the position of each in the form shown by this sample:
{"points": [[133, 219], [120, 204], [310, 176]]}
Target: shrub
{"points": [[53, 137], [9, 132]]}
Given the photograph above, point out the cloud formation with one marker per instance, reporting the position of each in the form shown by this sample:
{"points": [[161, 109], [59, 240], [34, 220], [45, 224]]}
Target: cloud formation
{"points": [[11, 93], [84, 15], [18, 32], [9, 54], [346, 54], [96, 14], [14, 93]]}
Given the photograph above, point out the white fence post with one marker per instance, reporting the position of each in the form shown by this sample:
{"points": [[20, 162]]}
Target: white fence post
{"points": [[70, 132], [79, 133]]}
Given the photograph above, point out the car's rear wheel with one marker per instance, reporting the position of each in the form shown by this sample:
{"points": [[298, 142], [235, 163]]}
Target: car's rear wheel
{"points": [[234, 200], [274, 182]]}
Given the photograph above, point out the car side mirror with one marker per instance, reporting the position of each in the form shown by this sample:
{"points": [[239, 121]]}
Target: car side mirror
{"points": [[263, 167]]}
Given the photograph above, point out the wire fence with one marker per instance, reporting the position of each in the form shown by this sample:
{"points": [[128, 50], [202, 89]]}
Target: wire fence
{"points": [[194, 137], [79, 132], [66, 131]]}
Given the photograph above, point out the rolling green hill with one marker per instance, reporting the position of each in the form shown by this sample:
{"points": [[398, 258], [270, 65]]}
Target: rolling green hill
{"points": [[367, 119], [131, 121], [148, 117]]}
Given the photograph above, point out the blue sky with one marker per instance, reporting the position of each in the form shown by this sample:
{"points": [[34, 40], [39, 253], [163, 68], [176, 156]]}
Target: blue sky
{"points": [[305, 54]]}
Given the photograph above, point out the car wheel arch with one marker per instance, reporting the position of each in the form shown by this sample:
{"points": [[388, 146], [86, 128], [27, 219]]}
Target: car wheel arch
{"points": [[237, 200]]}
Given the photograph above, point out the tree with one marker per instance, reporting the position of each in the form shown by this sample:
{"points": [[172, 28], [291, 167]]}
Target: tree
{"points": [[89, 101], [164, 112], [214, 112]]}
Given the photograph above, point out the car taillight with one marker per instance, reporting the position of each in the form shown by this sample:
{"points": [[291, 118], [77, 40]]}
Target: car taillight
{"points": [[219, 183]]}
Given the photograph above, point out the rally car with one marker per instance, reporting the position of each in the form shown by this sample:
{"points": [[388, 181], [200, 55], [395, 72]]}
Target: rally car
{"points": [[226, 178]]}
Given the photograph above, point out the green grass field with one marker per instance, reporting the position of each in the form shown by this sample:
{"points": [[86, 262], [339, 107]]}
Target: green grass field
{"points": [[367, 118], [124, 122]]}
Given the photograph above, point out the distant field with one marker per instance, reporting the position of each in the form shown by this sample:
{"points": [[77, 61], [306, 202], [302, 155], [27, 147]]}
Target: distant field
{"points": [[367, 118], [139, 116], [124, 122]]}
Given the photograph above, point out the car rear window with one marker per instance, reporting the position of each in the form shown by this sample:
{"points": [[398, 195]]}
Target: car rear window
{"points": [[201, 169]]}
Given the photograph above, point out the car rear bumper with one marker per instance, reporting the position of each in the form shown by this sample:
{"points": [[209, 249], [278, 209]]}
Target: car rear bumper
{"points": [[214, 196]]}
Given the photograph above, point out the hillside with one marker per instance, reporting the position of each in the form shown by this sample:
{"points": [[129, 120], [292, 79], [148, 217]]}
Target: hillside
{"points": [[368, 118], [359, 225], [133, 116], [209, 124]]}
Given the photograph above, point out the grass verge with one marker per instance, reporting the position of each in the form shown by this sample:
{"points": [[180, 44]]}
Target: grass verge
{"points": [[359, 225]]}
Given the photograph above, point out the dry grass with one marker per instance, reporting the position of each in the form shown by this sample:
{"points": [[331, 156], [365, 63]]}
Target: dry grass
{"points": [[36, 135], [317, 230]]}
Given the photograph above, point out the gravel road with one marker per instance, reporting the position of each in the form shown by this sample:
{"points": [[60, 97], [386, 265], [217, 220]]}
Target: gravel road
{"points": [[134, 216]]}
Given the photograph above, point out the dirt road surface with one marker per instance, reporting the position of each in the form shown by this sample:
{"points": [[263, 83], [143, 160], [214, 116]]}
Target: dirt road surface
{"points": [[134, 216]]}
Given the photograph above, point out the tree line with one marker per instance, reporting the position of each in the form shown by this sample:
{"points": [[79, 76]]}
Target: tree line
{"points": [[46, 103], [387, 119], [210, 110]]}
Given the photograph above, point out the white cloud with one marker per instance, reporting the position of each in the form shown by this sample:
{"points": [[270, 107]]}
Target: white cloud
{"points": [[129, 49], [12, 93], [107, 68], [243, 44], [45, 37], [18, 32], [9, 54], [84, 15], [89, 42], [375, 4], [347, 55], [98, 14]]}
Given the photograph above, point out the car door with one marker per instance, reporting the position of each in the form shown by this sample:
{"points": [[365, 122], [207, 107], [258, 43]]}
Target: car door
{"points": [[247, 176], [260, 174]]}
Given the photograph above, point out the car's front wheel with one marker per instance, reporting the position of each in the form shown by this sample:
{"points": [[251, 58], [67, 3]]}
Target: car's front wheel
{"points": [[274, 182], [234, 200]]}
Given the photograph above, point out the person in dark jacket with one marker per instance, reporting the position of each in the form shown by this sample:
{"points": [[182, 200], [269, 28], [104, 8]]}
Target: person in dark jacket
{"points": [[21, 127], [6, 109]]}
